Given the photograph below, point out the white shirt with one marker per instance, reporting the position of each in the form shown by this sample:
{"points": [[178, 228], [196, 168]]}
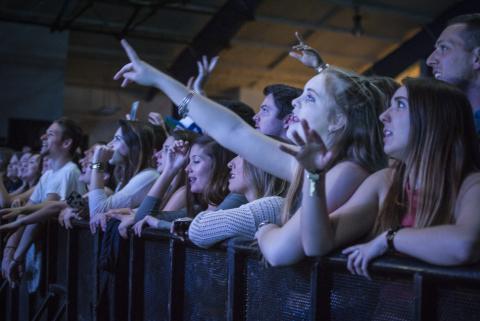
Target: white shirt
{"points": [[131, 195], [60, 182]]}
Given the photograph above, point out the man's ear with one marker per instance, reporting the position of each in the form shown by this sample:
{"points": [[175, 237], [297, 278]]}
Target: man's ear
{"points": [[476, 58], [67, 143], [337, 122]]}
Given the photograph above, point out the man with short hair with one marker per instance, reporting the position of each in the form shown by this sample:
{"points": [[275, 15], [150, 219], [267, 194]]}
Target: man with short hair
{"points": [[456, 58], [275, 109], [59, 143]]}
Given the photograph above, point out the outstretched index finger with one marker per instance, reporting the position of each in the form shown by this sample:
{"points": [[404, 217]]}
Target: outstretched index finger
{"points": [[299, 38], [132, 55]]}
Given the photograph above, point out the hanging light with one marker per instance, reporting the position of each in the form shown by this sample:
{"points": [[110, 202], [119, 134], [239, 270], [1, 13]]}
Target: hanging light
{"points": [[357, 29]]}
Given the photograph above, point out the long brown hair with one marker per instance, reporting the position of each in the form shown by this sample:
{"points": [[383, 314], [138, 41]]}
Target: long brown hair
{"points": [[217, 189], [442, 151], [360, 140], [181, 177], [265, 184], [139, 138]]}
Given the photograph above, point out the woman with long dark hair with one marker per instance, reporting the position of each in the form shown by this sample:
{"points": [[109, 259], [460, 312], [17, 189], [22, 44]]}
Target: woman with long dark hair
{"points": [[425, 205]]}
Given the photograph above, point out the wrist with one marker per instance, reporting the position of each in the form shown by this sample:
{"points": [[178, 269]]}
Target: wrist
{"points": [[321, 67], [390, 238], [98, 165], [315, 180]]}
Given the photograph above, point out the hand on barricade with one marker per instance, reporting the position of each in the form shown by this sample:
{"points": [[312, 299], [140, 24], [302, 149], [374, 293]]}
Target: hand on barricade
{"points": [[99, 220], [360, 255], [9, 213], [147, 221], [66, 215], [18, 202], [126, 216]]}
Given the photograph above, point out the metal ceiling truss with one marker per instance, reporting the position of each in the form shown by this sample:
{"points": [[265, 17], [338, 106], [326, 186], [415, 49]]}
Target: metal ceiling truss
{"points": [[366, 5]]}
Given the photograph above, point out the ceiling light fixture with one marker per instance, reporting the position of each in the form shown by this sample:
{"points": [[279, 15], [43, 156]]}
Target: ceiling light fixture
{"points": [[357, 29]]}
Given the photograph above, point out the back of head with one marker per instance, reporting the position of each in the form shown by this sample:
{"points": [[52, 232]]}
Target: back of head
{"points": [[241, 109], [361, 102], [388, 86], [282, 96], [139, 138], [71, 130], [472, 31]]}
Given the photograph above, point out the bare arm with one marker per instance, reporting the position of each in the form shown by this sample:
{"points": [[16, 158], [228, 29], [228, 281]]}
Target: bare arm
{"points": [[331, 192], [281, 245], [451, 244], [313, 229], [177, 201], [255, 147]]}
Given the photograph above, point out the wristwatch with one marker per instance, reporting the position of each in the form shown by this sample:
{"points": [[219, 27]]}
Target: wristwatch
{"points": [[390, 237]]}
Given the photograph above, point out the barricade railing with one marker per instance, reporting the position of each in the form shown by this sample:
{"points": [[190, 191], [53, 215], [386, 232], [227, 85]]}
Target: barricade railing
{"points": [[173, 280]]}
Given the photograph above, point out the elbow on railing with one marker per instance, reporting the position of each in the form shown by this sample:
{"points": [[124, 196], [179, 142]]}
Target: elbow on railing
{"points": [[276, 256], [317, 248], [467, 250]]}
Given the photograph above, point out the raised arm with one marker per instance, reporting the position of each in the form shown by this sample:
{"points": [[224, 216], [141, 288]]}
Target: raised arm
{"points": [[223, 125]]}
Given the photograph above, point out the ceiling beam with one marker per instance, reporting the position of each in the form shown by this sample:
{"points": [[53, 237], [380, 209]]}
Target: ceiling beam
{"points": [[373, 6], [214, 37], [421, 45], [287, 48], [96, 26], [302, 24]]}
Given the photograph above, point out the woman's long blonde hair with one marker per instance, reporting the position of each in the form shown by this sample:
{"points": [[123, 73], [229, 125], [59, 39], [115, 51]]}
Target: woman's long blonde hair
{"points": [[360, 140], [443, 150]]}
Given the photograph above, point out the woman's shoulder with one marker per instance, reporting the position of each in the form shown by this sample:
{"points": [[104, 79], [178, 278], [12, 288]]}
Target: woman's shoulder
{"points": [[348, 167], [471, 181]]}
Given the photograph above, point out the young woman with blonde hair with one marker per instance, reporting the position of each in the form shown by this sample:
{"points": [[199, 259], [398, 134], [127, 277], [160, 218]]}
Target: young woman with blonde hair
{"points": [[343, 107], [425, 206]]}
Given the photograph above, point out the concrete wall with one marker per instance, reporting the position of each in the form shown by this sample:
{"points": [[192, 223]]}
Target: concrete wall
{"points": [[32, 64]]}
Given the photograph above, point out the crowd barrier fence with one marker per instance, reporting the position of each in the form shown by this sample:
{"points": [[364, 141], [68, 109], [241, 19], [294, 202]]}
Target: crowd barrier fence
{"points": [[173, 280]]}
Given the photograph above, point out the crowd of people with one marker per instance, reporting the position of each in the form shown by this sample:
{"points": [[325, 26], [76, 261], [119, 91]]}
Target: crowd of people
{"points": [[353, 163]]}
